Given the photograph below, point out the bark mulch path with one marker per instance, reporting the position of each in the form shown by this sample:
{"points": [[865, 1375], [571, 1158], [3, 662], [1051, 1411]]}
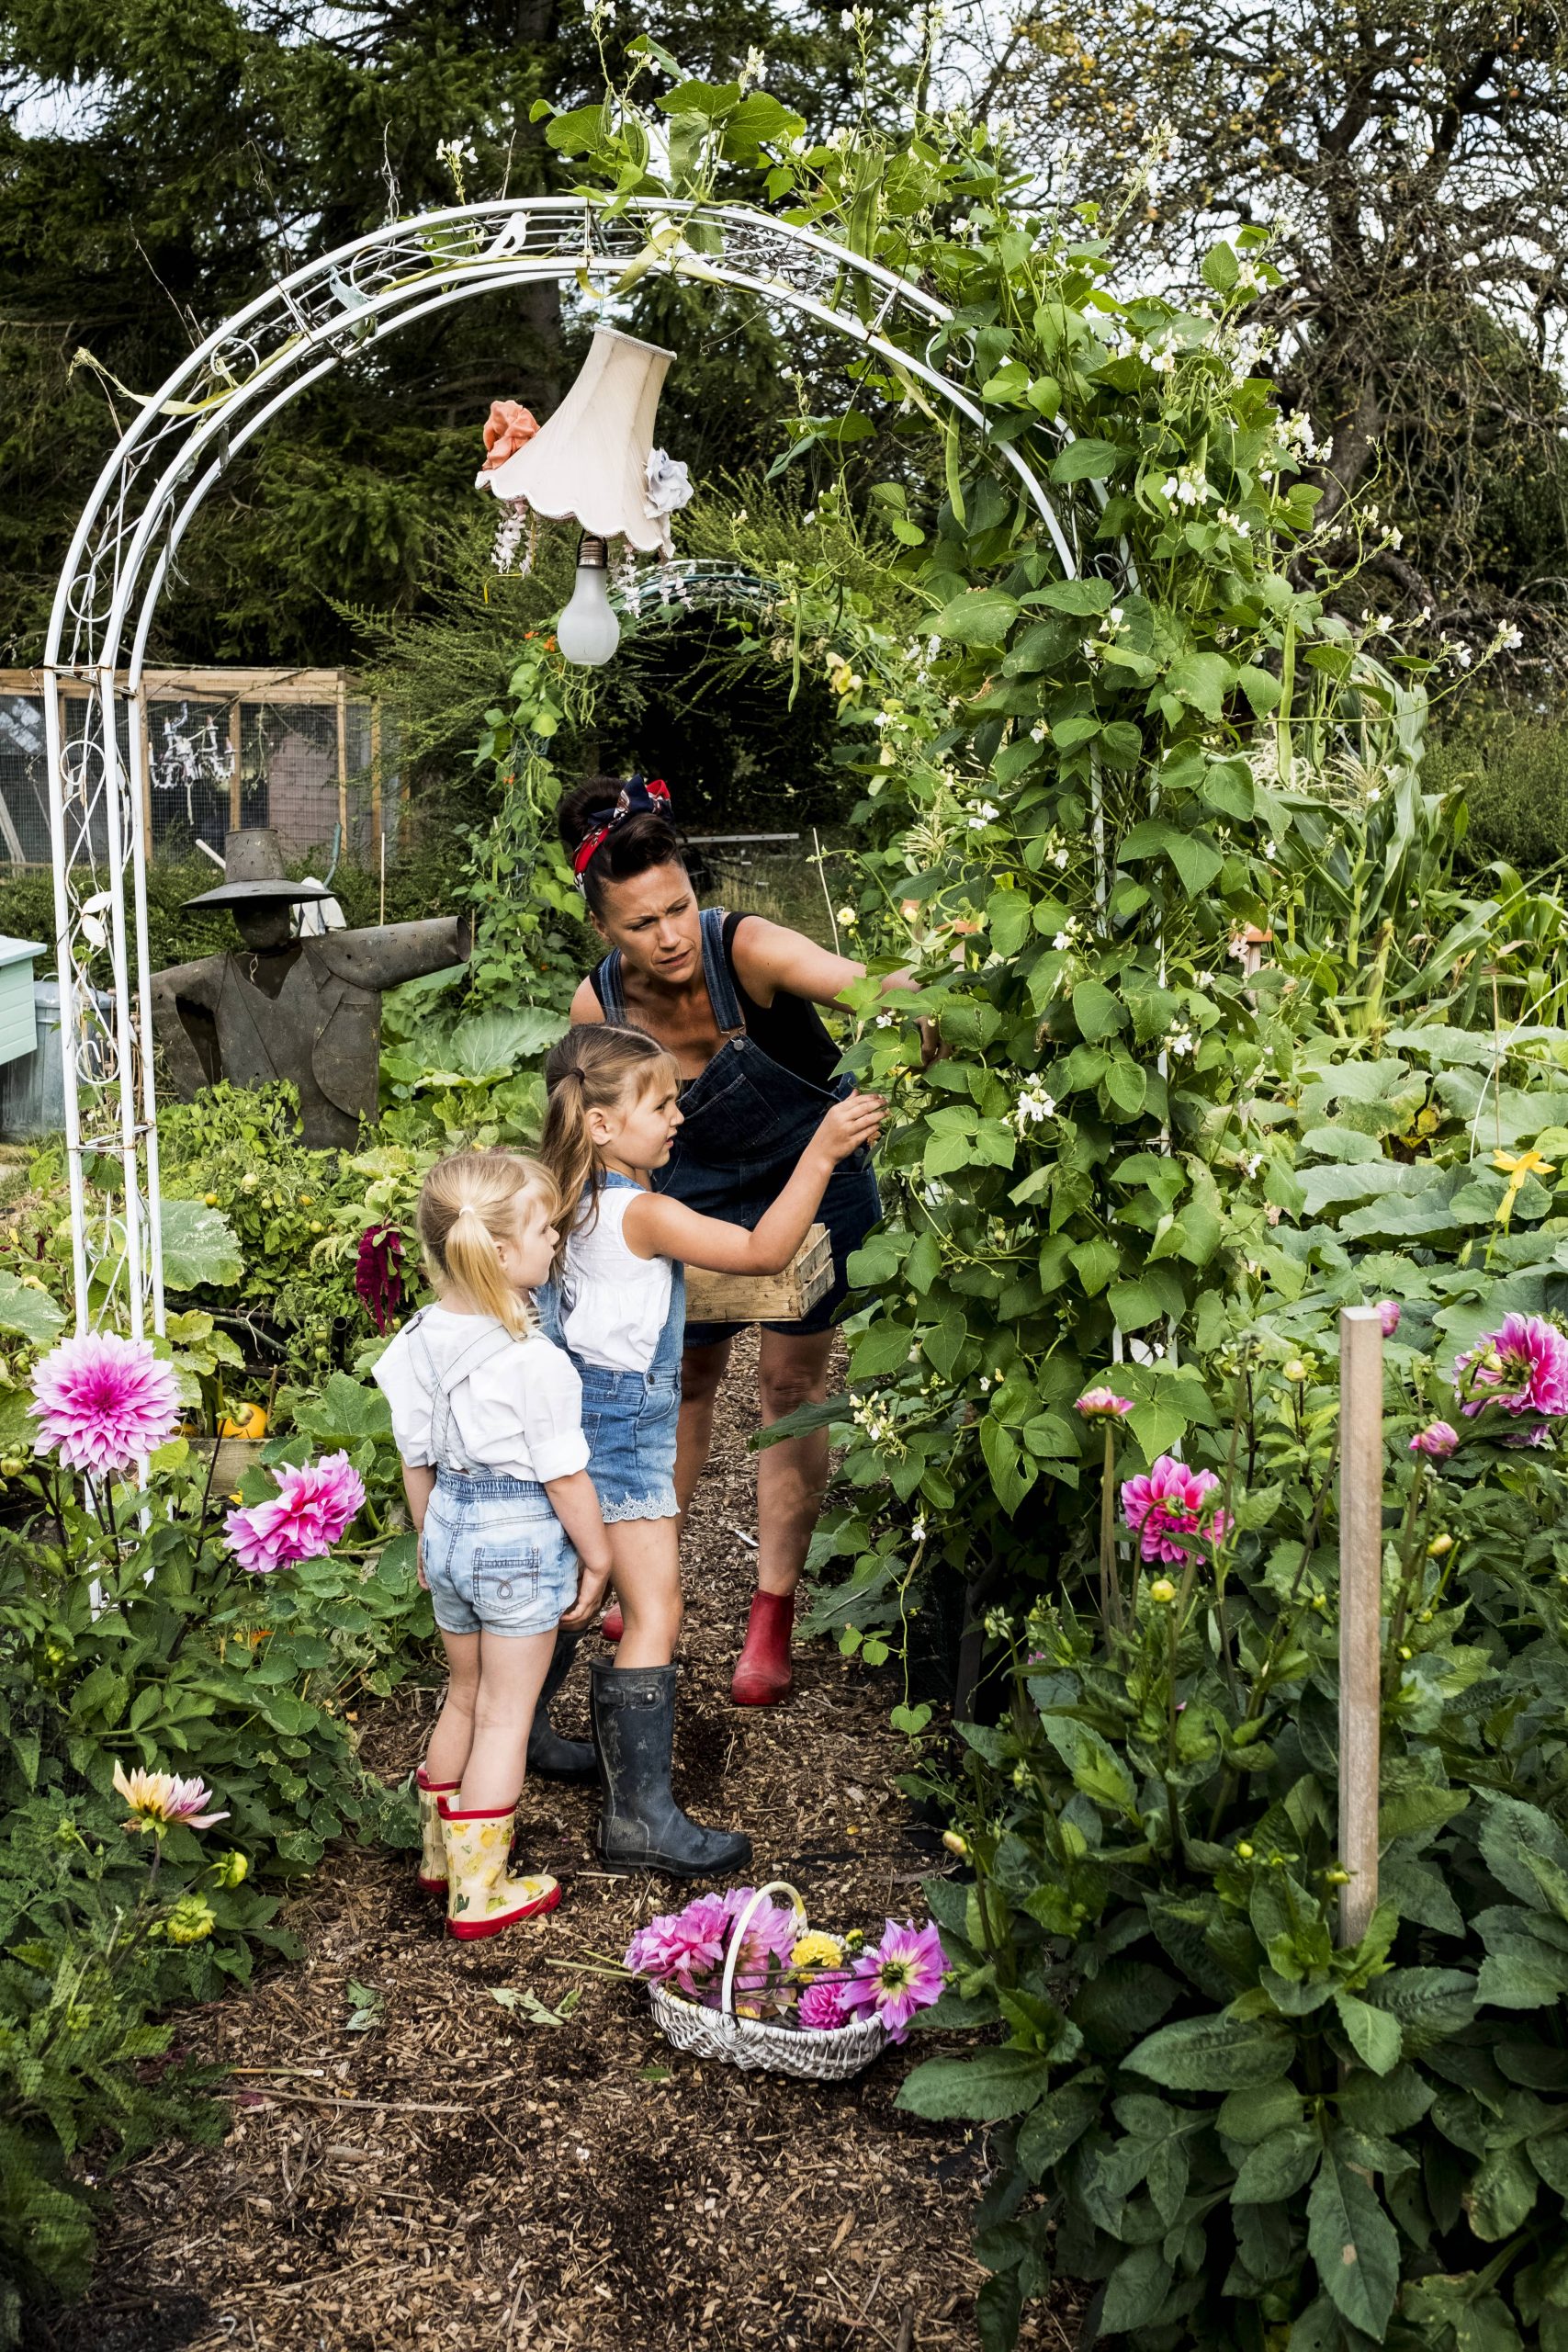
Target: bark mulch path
{"points": [[453, 2172]]}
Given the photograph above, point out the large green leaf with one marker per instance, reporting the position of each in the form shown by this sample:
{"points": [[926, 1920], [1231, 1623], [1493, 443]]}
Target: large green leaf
{"points": [[200, 1246], [31, 1312], [983, 2089], [495, 1044], [1354, 2245], [1098, 1772], [1214, 2053], [980, 616], [345, 1411]]}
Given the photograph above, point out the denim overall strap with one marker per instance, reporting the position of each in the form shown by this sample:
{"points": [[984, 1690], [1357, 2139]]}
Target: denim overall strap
{"points": [[612, 996], [715, 971], [486, 1343]]}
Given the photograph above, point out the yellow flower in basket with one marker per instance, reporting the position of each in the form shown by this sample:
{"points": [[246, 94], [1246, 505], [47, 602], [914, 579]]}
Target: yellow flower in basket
{"points": [[816, 1951]]}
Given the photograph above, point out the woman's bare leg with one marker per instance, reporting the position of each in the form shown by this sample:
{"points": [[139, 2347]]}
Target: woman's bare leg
{"points": [[792, 1476], [701, 1372]]}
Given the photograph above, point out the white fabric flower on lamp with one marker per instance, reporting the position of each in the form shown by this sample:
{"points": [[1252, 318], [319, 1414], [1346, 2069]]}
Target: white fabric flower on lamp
{"points": [[594, 457]]}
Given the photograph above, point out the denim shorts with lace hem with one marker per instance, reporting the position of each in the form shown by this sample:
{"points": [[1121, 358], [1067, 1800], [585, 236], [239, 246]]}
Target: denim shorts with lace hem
{"points": [[630, 1420]]}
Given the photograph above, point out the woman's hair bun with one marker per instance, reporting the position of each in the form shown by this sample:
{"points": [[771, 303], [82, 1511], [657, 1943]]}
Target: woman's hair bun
{"points": [[639, 841]]}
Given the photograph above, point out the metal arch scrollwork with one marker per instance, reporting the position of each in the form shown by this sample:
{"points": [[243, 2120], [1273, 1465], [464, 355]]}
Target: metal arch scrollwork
{"points": [[152, 486]]}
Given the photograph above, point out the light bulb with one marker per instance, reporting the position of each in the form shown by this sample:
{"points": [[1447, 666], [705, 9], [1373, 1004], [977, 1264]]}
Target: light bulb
{"points": [[588, 631]]}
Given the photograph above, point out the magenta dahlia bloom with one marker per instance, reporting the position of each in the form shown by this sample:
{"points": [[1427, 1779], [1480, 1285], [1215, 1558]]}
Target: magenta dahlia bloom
{"points": [[1169, 1508], [682, 1947], [1523, 1366], [314, 1507], [821, 2008], [103, 1402], [1103, 1404], [770, 1938], [902, 1975], [1437, 1440], [1389, 1313]]}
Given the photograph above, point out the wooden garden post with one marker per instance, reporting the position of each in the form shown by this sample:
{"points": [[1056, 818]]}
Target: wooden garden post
{"points": [[343, 768], [1360, 1610]]}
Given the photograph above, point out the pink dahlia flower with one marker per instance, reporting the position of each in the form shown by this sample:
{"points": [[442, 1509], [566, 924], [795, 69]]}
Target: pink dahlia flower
{"points": [[104, 1402], [313, 1508], [1389, 1313], [1103, 1404], [901, 1976], [822, 2008], [1523, 1366], [1439, 1440], [157, 1800], [682, 1947], [1169, 1507], [770, 1935]]}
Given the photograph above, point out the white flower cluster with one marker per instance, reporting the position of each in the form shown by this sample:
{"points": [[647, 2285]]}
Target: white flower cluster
{"points": [[1297, 435], [1034, 1106], [1109, 628], [1180, 1041], [1070, 936], [1509, 638], [756, 65], [1234, 523], [509, 537], [875, 1421], [1187, 487], [982, 813], [456, 152]]}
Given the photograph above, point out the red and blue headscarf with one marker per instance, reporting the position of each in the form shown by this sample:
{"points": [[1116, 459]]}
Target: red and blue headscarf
{"points": [[636, 799]]}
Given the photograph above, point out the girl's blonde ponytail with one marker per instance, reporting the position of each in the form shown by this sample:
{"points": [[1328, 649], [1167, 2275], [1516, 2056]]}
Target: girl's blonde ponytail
{"points": [[592, 1068], [468, 1203]]}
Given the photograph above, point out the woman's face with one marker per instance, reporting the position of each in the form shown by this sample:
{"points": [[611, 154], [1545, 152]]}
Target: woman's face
{"points": [[654, 920]]}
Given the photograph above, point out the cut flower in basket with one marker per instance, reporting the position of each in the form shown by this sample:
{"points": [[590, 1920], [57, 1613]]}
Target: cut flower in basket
{"points": [[801, 1977]]}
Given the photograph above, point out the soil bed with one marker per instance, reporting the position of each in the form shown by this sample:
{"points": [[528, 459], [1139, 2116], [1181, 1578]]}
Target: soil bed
{"points": [[455, 2173]]}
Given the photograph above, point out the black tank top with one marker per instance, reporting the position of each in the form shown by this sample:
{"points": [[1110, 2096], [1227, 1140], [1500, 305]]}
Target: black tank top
{"points": [[790, 1031]]}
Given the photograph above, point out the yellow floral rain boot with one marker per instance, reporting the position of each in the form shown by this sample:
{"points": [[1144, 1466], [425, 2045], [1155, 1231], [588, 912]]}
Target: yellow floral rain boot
{"points": [[431, 1839], [482, 1896]]}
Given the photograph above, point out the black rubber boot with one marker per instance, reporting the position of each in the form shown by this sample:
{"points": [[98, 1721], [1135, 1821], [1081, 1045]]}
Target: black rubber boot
{"points": [[642, 1827], [549, 1753]]}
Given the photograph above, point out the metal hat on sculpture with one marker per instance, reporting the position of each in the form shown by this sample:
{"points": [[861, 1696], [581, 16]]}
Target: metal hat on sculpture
{"points": [[594, 460], [254, 874]]}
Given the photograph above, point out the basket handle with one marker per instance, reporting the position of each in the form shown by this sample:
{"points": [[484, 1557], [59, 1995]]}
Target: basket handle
{"points": [[775, 1886]]}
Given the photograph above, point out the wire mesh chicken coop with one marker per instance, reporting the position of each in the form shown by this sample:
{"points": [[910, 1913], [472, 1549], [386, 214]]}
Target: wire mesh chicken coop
{"points": [[221, 751]]}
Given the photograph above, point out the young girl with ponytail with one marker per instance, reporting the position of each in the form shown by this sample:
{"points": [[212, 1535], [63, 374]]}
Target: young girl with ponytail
{"points": [[488, 1417], [614, 1112]]}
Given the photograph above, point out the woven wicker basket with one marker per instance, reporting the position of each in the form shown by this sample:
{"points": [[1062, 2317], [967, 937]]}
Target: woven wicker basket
{"points": [[829, 2057]]}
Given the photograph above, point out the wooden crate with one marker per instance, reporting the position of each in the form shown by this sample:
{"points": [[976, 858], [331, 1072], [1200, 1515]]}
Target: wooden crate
{"points": [[765, 1298]]}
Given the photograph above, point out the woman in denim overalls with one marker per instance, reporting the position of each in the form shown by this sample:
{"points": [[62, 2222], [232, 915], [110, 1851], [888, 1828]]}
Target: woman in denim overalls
{"points": [[734, 1000]]}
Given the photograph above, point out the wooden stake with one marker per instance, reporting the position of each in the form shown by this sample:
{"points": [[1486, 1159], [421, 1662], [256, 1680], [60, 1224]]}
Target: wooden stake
{"points": [[1360, 1610], [342, 766], [235, 820]]}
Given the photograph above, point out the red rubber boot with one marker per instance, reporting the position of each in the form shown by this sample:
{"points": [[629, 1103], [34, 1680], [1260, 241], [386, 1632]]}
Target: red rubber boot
{"points": [[764, 1674]]}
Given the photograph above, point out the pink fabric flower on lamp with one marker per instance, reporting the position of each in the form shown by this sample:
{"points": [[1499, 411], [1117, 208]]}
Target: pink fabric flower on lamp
{"points": [[1523, 1366], [1436, 1440], [508, 428], [821, 2008], [1169, 1509], [1103, 1404], [160, 1800], [314, 1507], [103, 1402], [902, 1975]]}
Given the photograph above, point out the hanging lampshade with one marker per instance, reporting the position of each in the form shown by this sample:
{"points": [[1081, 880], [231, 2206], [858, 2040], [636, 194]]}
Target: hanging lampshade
{"points": [[594, 457]]}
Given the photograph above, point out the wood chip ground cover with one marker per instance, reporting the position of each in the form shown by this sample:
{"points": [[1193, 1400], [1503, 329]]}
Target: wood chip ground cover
{"points": [[450, 2171]]}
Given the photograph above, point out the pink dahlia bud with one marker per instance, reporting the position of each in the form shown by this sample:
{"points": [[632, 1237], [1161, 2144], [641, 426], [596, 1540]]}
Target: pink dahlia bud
{"points": [[1103, 1404], [1437, 1440], [1389, 1313]]}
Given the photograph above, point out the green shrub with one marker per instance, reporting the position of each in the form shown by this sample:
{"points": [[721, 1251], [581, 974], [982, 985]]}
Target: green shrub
{"points": [[1512, 770]]}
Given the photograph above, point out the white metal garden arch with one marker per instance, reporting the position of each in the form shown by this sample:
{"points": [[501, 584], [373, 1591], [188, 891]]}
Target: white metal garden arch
{"points": [[154, 484]]}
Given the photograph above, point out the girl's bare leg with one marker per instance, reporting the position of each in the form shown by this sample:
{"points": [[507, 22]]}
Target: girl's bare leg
{"points": [[647, 1574], [512, 1672], [454, 1733]]}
